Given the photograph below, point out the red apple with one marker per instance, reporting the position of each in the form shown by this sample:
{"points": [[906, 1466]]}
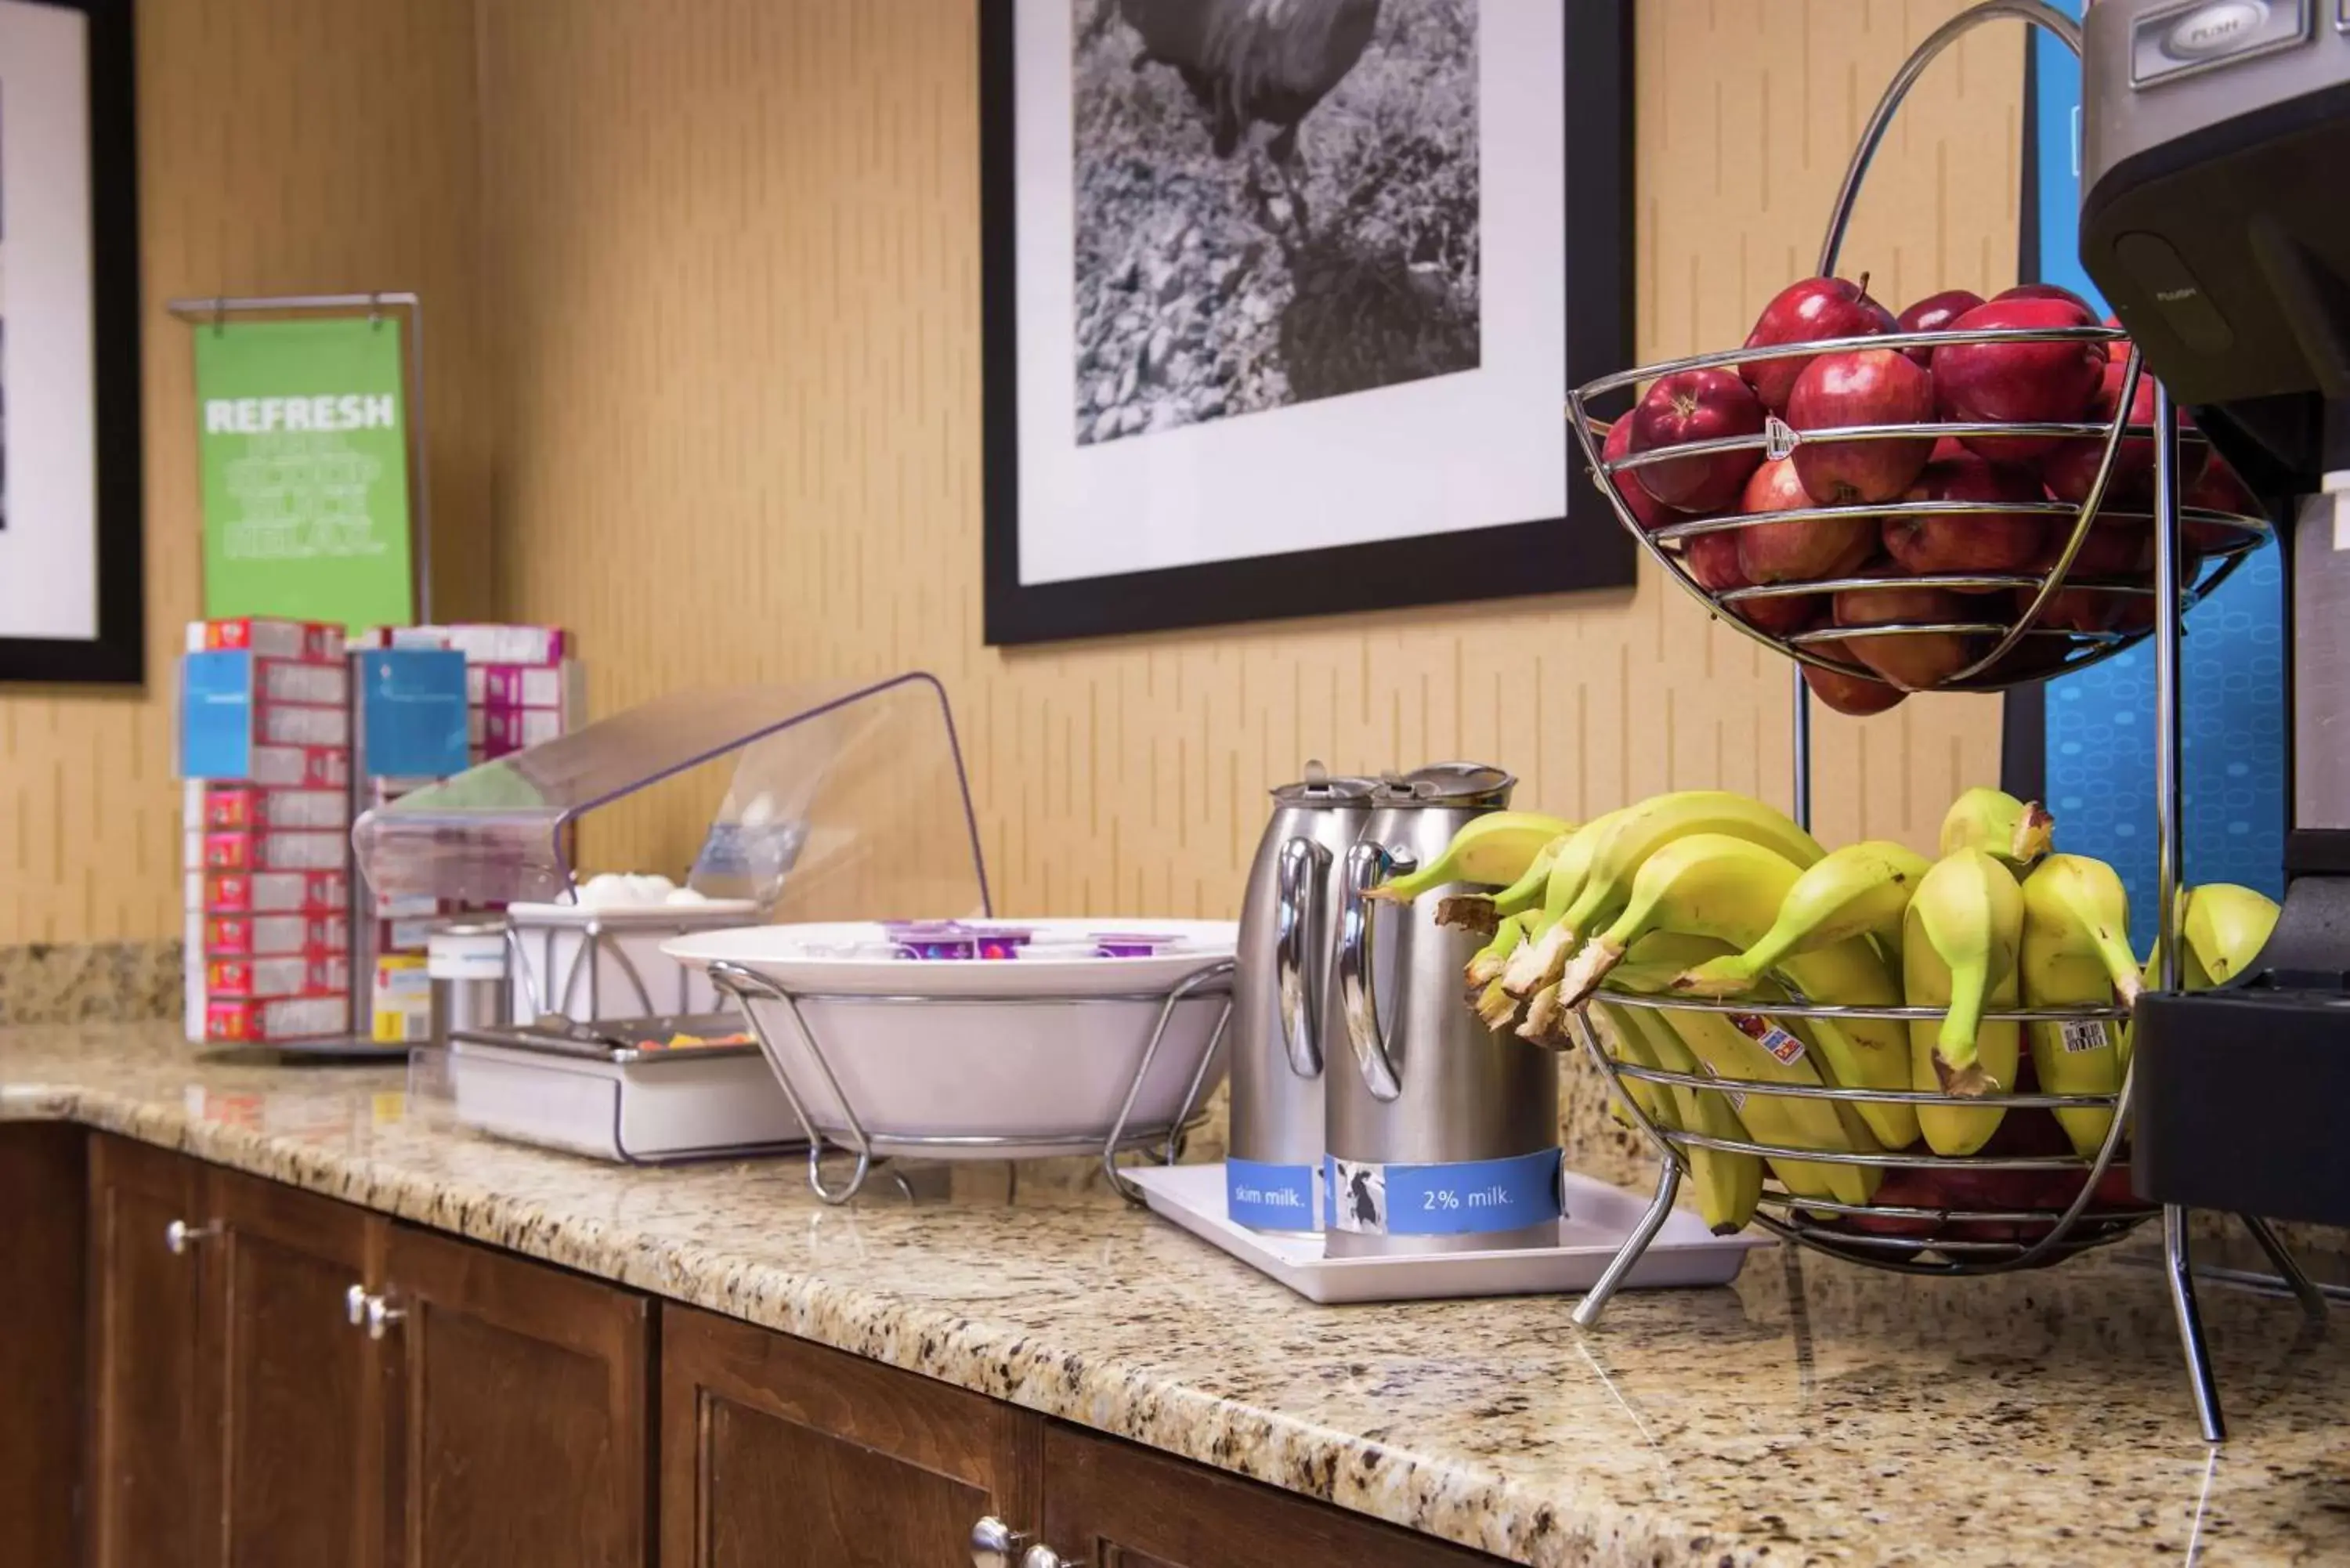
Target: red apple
{"points": [[1985, 382], [1915, 662], [1802, 551], [2116, 347], [2219, 488], [1647, 511], [1976, 542], [1854, 695], [1860, 386], [1808, 312], [2045, 291], [1713, 562], [2106, 554], [1932, 314], [1691, 406], [2071, 467]]}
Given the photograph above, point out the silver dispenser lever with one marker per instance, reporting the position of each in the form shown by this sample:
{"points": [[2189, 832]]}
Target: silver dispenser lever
{"points": [[1367, 865], [1303, 865]]}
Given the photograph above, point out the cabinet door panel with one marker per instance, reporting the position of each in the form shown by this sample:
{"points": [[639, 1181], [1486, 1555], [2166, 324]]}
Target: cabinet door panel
{"points": [[775, 1450], [526, 1424], [147, 1432], [1115, 1505], [294, 1470], [43, 1258]]}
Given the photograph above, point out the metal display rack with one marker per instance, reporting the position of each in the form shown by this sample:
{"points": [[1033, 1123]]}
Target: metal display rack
{"points": [[870, 1145], [1949, 1242]]}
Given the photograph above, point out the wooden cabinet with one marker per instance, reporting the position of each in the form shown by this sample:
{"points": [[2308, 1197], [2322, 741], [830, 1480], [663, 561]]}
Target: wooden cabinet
{"points": [[492, 1412], [44, 1242], [1113, 1505], [776, 1451], [523, 1409], [147, 1236], [296, 1448]]}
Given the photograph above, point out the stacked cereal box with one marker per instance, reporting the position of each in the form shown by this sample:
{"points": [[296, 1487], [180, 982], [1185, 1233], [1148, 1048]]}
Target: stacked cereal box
{"points": [[431, 700], [266, 757]]}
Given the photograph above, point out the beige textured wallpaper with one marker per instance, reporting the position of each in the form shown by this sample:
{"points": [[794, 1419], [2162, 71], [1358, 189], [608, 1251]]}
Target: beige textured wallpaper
{"points": [[735, 252], [703, 281]]}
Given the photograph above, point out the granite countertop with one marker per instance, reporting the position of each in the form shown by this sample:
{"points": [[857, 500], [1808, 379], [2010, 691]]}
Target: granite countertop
{"points": [[1815, 1413]]}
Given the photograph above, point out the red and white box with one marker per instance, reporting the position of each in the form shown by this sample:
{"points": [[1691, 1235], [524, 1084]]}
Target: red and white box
{"points": [[326, 975], [309, 642], [493, 644], [301, 767], [401, 906], [269, 892], [507, 730], [300, 724], [376, 638], [310, 685], [515, 685], [248, 1021], [276, 936], [248, 849], [236, 805]]}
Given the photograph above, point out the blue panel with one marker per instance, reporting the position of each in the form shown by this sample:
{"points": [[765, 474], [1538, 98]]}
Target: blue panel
{"points": [[412, 713], [2100, 721], [216, 715]]}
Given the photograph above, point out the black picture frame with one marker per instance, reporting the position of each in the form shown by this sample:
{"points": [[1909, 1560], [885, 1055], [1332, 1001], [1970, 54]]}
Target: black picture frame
{"points": [[117, 654], [1585, 549]]}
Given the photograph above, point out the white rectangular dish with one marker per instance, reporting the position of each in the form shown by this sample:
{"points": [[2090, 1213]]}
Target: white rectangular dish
{"points": [[588, 962], [629, 1106], [1598, 1218]]}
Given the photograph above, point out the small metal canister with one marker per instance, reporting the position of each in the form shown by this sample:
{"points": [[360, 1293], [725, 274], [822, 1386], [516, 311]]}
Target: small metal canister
{"points": [[465, 960]]}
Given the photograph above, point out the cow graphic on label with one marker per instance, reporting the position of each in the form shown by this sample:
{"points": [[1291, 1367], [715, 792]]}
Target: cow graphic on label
{"points": [[1362, 1197]]}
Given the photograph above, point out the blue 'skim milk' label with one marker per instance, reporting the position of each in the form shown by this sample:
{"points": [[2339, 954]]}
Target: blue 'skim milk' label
{"points": [[1452, 1200], [1270, 1196]]}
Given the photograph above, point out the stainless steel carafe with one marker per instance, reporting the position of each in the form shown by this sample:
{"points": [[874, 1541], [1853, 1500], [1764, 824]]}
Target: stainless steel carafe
{"points": [[1281, 991], [1444, 1134]]}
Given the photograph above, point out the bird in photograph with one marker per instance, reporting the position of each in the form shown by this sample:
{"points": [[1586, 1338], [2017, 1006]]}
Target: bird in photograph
{"points": [[1250, 62]]}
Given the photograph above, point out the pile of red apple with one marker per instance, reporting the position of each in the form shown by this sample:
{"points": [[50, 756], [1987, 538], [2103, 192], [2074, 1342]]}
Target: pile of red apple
{"points": [[1972, 383]]}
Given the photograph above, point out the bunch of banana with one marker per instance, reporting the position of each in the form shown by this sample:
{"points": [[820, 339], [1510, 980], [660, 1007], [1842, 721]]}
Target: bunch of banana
{"points": [[1495, 850], [2075, 952], [2223, 928], [1599, 872], [1961, 944], [1709, 885], [1728, 1185], [2017, 832], [1860, 890]]}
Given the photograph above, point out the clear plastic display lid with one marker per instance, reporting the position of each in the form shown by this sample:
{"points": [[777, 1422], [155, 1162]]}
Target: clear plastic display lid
{"points": [[848, 800]]}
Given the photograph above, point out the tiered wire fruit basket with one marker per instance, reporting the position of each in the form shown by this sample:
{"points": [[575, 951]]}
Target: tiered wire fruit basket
{"points": [[2012, 642]]}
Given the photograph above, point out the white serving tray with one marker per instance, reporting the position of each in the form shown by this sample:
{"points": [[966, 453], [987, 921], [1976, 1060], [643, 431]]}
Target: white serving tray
{"points": [[633, 1107], [1598, 1218]]}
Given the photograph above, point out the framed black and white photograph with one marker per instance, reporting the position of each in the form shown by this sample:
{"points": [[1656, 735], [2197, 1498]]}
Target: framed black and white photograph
{"points": [[70, 600], [1283, 298]]}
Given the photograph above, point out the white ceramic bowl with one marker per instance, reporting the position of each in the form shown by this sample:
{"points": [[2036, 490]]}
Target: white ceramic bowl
{"points": [[1015, 1058]]}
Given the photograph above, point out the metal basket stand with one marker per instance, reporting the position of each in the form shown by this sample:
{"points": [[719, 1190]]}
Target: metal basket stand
{"points": [[1949, 1242], [869, 1148]]}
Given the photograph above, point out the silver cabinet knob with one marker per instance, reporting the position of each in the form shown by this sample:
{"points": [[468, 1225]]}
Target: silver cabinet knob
{"points": [[179, 1235], [992, 1542], [354, 1300], [380, 1316], [1043, 1556]]}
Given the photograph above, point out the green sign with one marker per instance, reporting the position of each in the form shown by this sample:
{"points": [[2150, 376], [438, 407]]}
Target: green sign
{"points": [[302, 435]]}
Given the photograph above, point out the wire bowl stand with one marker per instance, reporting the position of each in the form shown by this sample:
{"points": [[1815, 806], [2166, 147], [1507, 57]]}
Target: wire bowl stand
{"points": [[868, 1145], [2007, 649]]}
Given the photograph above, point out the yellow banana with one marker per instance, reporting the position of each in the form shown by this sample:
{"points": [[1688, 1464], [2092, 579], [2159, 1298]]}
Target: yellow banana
{"points": [[1526, 893], [1549, 944], [1749, 1048], [1702, 884], [2075, 952], [2016, 831], [1620, 1034], [2191, 975], [1858, 891], [1493, 849], [2226, 928], [1958, 951], [1728, 1184]]}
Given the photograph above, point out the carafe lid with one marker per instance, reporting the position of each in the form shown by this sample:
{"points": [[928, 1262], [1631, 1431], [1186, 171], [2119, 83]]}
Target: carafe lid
{"points": [[1447, 785], [1322, 790]]}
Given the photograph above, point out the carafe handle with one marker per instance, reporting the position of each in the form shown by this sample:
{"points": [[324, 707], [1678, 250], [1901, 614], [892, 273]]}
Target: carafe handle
{"points": [[1305, 865], [1367, 865]]}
